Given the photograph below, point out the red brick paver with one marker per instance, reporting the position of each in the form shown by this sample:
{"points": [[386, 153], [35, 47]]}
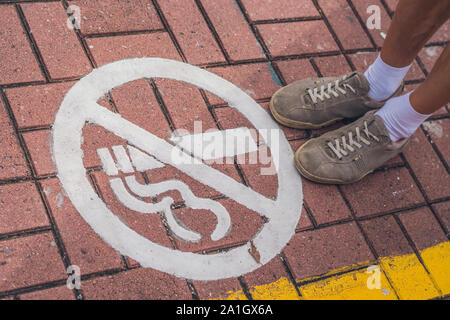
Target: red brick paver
{"points": [[84, 246], [255, 79], [423, 228], [427, 167], [19, 64], [345, 24], [21, 208], [304, 222], [109, 49], [110, 16], [58, 293], [12, 159], [443, 212], [137, 102], [217, 289], [442, 35], [20, 255], [38, 145], [192, 32], [64, 58], [39, 109], [429, 55], [294, 38], [235, 34], [138, 284], [271, 10], [325, 202], [383, 191], [312, 253], [185, 105], [332, 66], [386, 237], [438, 131], [293, 70]]}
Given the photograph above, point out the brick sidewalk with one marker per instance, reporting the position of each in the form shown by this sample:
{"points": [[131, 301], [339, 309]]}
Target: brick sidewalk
{"points": [[402, 208]]}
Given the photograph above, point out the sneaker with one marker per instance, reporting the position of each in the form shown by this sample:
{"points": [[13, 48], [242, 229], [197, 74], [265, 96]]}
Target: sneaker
{"points": [[348, 154], [318, 102]]}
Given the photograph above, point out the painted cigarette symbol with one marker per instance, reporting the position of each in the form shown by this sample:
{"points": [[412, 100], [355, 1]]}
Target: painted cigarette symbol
{"points": [[241, 142], [79, 107], [144, 162]]}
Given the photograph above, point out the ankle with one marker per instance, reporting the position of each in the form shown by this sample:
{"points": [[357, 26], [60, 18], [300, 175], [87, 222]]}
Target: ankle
{"points": [[384, 79], [400, 118]]}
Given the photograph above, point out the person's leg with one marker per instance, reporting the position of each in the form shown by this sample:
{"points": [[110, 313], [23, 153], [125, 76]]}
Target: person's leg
{"points": [[348, 154], [318, 102], [434, 92], [414, 22], [403, 115]]}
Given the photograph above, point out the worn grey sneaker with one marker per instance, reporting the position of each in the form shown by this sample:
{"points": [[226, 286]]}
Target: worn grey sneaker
{"points": [[317, 102], [348, 154]]}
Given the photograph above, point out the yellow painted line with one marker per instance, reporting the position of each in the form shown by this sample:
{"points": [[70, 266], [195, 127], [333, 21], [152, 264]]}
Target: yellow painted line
{"points": [[437, 261], [409, 277], [355, 285], [282, 289], [402, 277]]}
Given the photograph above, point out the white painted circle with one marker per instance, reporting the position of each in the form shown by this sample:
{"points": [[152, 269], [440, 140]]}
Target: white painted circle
{"points": [[79, 107]]}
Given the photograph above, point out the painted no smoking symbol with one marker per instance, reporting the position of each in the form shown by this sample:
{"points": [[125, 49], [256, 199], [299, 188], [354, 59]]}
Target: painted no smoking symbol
{"points": [[80, 107]]}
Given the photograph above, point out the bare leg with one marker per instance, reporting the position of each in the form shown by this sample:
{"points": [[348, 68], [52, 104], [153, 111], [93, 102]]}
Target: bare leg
{"points": [[434, 92], [414, 22]]}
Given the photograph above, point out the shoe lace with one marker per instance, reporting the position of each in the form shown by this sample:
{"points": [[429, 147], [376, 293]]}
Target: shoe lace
{"points": [[341, 148], [329, 90]]}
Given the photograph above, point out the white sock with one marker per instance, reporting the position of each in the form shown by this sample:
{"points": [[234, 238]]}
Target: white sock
{"points": [[400, 118], [384, 80]]}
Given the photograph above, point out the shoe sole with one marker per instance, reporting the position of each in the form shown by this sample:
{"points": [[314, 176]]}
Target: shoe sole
{"points": [[315, 178], [297, 124]]}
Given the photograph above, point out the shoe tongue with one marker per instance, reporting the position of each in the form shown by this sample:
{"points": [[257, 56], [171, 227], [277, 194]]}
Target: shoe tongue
{"points": [[377, 127], [307, 99], [357, 81], [352, 79]]}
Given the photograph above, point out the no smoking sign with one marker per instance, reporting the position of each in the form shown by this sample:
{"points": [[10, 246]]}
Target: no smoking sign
{"points": [[148, 151]]}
